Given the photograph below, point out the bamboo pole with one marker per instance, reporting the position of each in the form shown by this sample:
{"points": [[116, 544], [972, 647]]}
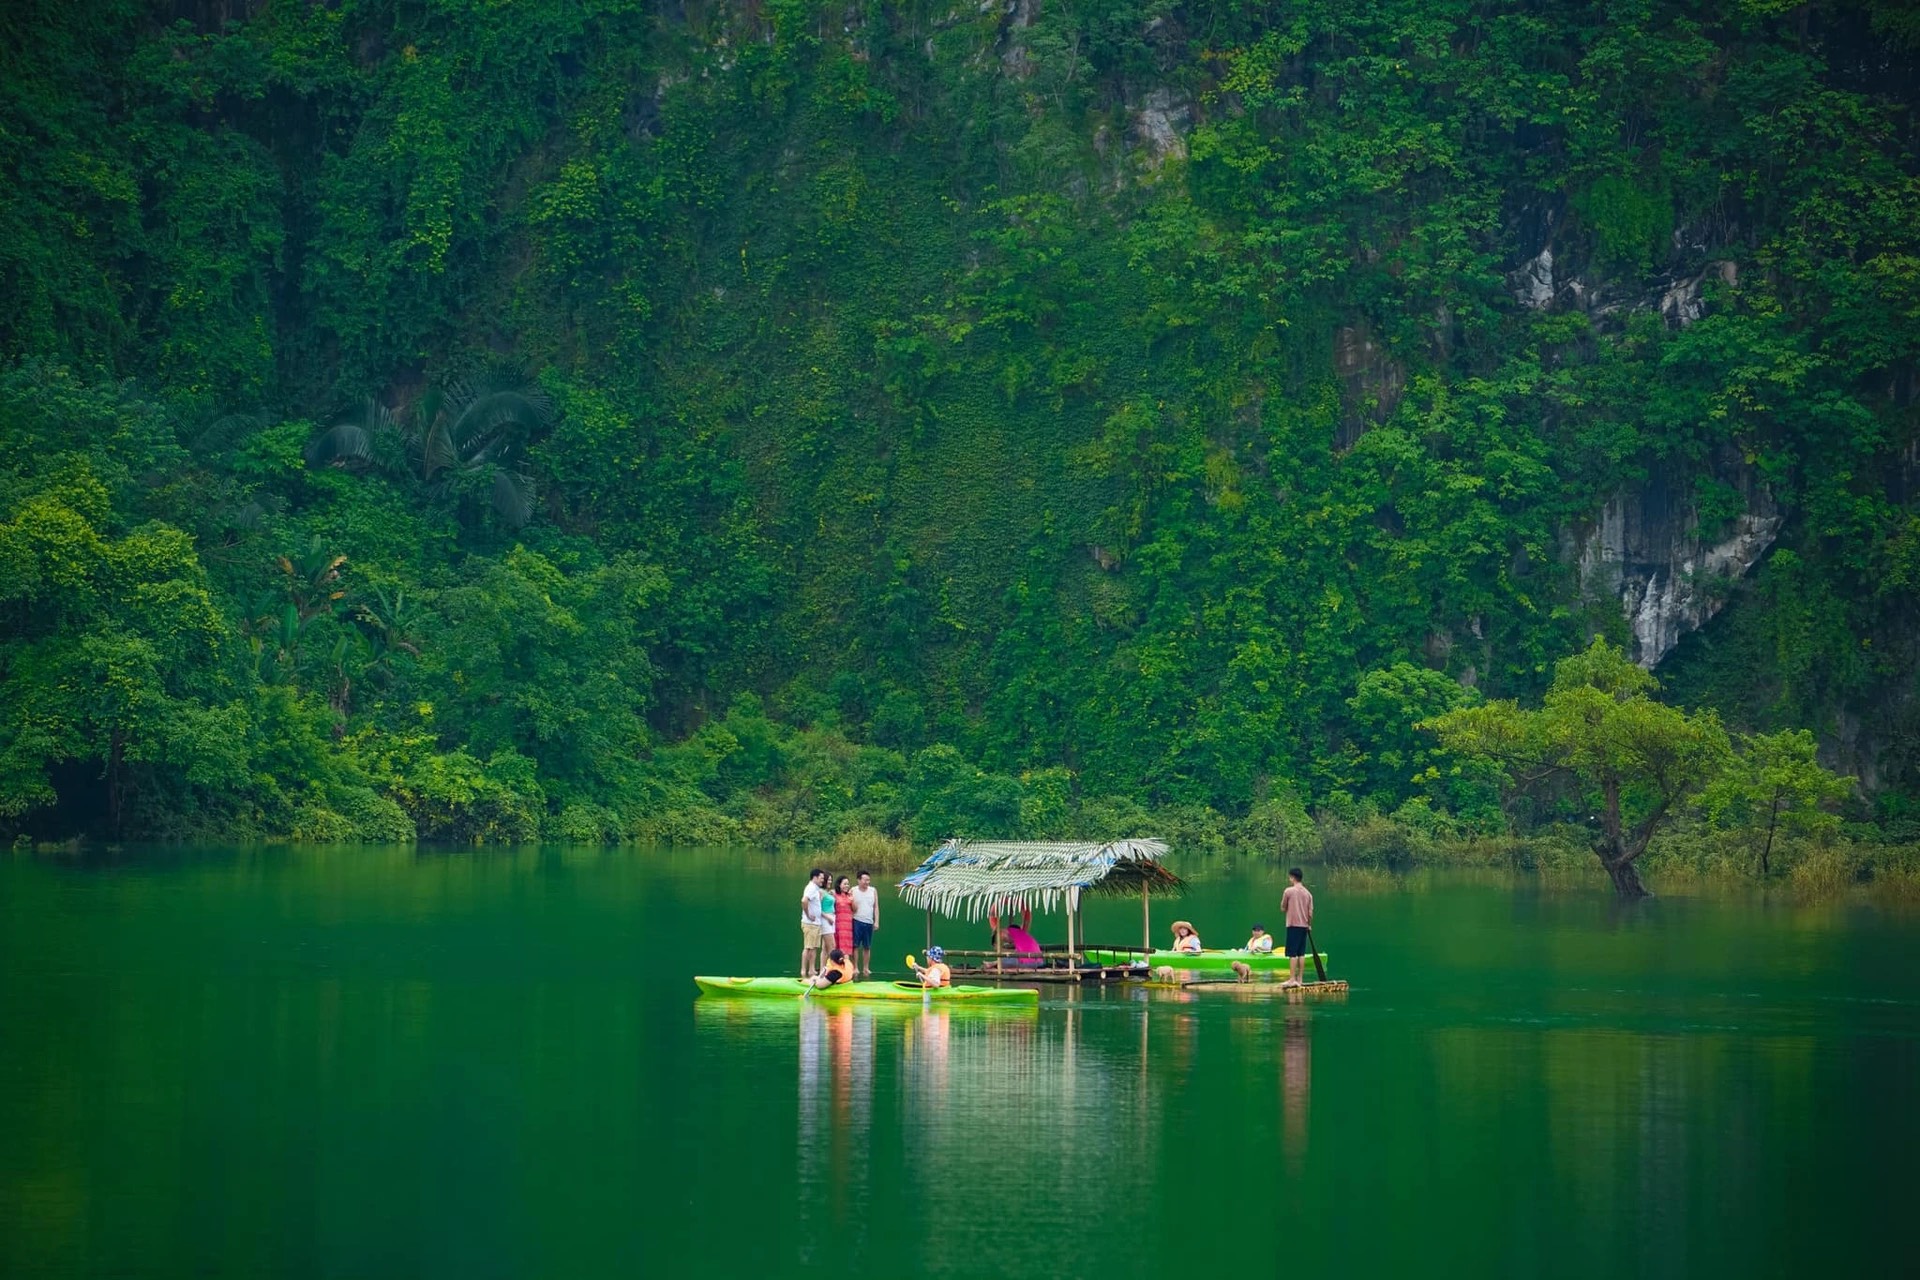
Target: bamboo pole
{"points": [[1146, 916]]}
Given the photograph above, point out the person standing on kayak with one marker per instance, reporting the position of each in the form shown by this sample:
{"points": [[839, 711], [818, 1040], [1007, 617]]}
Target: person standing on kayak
{"points": [[812, 922], [866, 918], [1297, 902]]}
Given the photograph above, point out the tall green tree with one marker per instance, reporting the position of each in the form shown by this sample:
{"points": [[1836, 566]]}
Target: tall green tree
{"points": [[1629, 760], [1774, 785], [112, 662]]}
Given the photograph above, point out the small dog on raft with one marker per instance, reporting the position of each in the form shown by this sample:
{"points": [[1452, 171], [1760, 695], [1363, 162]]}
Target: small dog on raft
{"points": [[1242, 971]]}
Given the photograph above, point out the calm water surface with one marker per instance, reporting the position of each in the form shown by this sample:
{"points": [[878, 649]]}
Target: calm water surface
{"points": [[367, 1063]]}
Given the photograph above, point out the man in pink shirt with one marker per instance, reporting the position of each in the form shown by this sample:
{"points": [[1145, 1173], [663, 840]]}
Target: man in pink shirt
{"points": [[1297, 902]]}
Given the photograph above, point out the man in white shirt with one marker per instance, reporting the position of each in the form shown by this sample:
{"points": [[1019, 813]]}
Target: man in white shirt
{"points": [[812, 924], [866, 918]]}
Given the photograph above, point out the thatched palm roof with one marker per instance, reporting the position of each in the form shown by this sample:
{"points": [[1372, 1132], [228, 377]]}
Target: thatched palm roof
{"points": [[973, 877]]}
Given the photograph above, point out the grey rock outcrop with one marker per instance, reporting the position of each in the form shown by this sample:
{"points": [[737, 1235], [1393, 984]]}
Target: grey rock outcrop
{"points": [[1371, 382], [1161, 124], [1648, 552]]}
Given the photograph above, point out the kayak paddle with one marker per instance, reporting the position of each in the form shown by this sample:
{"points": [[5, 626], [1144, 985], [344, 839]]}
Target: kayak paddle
{"points": [[1313, 949]]}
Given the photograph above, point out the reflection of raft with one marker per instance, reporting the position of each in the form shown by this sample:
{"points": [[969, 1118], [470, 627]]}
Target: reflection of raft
{"points": [[790, 988], [1217, 960]]}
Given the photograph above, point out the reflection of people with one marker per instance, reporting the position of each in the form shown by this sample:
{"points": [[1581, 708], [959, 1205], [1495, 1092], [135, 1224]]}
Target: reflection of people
{"points": [[934, 973], [866, 918], [1297, 901], [1261, 943], [1184, 938], [1296, 1079], [811, 922], [837, 969], [843, 914]]}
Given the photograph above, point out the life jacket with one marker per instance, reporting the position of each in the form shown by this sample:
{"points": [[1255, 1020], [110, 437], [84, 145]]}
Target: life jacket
{"points": [[936, 975], [836, 973]]}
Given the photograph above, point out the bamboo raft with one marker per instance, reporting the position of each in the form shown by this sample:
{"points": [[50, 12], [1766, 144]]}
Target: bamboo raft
{"points": [[1332, 987], [1054, 964]]}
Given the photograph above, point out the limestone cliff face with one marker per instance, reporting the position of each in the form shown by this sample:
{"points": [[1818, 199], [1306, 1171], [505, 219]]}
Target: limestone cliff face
{"points": [[1648, 552]]}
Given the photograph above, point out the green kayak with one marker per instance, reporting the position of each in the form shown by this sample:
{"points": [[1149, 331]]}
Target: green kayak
{"points": [[790, 988], [1221, 960]]}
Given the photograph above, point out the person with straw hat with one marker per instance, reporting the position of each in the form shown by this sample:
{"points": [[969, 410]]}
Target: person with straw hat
{"points": [[1184, 938]]}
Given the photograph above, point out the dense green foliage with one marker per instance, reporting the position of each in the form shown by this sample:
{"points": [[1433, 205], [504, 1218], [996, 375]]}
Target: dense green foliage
{"points": [[1632, 762], [554, 417]]}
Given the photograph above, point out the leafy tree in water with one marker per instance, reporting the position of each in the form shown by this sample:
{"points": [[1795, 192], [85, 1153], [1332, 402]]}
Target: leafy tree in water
{"points": [[1774, 784], [1634, 761]]}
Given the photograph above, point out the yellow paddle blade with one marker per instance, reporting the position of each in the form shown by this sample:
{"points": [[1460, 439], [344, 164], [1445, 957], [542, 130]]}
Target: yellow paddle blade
{"points": [[909, 959]]}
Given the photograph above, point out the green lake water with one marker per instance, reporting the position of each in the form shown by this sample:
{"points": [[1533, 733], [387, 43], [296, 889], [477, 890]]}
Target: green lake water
{"points": [[390, 1063]]}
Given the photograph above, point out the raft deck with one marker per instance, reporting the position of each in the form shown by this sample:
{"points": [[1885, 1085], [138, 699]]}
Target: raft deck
{"points": [[1054, 964], [1331, 987]]}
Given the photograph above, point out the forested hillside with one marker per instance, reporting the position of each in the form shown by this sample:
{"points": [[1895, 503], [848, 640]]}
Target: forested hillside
{"points": [[592, 419]]}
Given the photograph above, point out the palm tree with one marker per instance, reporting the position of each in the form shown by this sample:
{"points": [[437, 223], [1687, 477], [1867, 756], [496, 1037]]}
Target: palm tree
{"points": [[312, 580], [454, 441], [392, 621]]}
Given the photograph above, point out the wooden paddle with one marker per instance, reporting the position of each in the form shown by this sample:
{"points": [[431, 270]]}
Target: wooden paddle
{"points": [[1313, 949]]}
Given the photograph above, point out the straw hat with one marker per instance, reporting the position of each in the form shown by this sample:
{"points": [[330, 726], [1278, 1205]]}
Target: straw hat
{"points": [[1178, 925]]}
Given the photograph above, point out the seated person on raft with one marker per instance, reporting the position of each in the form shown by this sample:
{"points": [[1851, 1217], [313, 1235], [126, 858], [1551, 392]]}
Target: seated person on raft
{"points": [[1261, 943], [1184, 938], [934, 973], [1024, 946], [837, 969]]}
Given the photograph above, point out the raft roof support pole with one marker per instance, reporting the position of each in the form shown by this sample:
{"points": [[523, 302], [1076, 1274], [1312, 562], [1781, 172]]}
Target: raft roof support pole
{"points": [[1071, 967], [1146, 917], [1076, 930]]}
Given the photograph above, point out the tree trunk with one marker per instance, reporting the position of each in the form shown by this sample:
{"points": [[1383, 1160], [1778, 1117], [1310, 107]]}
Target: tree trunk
{"points": [[1626, 879], [116, 776], [1773, 820]]}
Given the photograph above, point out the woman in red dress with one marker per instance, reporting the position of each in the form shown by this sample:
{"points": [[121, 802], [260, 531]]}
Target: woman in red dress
{"points": [[843, 915]]}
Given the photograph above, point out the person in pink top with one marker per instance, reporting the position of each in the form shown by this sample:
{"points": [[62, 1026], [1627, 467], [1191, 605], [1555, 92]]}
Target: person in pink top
{"points": [[1297, 902], [843, 909]]}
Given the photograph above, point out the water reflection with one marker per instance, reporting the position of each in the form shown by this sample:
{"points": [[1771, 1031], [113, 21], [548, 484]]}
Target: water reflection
{"points": [[835, 1126], [1296, 1079]]}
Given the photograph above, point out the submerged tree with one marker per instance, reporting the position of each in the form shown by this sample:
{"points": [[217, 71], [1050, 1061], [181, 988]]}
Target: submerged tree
{"points": [[1774, 784], [1634, 760]]}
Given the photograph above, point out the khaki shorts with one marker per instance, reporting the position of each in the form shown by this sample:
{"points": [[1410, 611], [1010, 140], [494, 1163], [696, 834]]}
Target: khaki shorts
{"points": [[812, 935]]}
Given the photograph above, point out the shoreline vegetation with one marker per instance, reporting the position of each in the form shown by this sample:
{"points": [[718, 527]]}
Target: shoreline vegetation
{"points": [[1382, 854]]}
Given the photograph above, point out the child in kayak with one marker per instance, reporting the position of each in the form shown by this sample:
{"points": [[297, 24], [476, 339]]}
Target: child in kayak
{"points": [[837, 969], [934, 973], [1184, 938], [1261, 943]]}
